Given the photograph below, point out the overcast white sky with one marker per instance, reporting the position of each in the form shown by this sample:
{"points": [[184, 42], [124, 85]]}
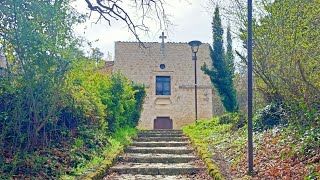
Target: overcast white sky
{"points": [[191, 19]]}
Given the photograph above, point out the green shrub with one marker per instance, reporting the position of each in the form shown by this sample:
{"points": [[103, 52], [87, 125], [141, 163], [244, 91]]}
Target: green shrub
{"points": [[89, 108], [140, 94], [303, 115], [271, 115], [227, 118], [238, 120], [52, 95], [310, 142]]}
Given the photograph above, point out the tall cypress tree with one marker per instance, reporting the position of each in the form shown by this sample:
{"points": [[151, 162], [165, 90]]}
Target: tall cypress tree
{"points": [[229, 54], [219, 73]]}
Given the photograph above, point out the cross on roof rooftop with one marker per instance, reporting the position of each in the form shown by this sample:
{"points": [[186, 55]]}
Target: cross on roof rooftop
{"points": [[163, 37]]}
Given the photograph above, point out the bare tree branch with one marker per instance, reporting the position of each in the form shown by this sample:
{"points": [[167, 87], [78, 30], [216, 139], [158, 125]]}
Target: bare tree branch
{"points": [[145, 9]]}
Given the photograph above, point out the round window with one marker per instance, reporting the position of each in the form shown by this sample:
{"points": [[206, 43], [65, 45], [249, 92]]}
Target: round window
{"points": [[162, 66]]}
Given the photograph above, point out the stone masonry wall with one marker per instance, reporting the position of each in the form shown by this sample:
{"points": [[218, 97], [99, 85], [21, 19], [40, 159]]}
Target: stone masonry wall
{"points": [[143, 65]]}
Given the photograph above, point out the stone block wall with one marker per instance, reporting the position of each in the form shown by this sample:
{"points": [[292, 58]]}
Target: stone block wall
{"points": [[142, 65]]}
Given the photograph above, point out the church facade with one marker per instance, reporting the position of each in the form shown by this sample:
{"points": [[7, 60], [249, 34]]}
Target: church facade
{"points": [[167, 71]]}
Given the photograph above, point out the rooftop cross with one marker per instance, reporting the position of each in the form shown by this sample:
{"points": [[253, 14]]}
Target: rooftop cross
{"points": [[162, 43], [163, 37]]}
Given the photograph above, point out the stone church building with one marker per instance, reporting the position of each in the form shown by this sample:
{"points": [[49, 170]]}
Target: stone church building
{"points": [[167, 71]]}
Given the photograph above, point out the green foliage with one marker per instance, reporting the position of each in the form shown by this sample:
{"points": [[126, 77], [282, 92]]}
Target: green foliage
{"points": [[97, 55], [271, 115], [96, 106], [201, 142], [286, 55], [122, 105], [313, 173], [78, 142], [53, 99], [33, 37], [221, 74], [302, 115], [229, 57], [310, 142], [140, 94], [116, 143], [218, 139], [227, 118], [279, 152], [238, 120]]}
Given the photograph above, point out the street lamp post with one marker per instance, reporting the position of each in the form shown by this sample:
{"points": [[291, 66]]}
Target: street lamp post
{"points": [[250, 133], [194, 48]]}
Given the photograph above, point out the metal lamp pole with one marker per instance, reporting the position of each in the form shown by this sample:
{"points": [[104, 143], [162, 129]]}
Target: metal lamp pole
{"points": [[250, 133], [194, 48], [194, 57]]}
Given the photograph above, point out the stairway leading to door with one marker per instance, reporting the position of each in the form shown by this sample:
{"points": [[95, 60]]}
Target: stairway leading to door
{"points": [[158, 154]]}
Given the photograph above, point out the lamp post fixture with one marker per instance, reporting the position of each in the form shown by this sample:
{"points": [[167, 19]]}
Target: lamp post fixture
{"points": [[194, 48]]}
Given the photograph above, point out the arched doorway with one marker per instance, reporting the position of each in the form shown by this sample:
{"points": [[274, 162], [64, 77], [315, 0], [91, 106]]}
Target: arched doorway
{"points": [[162, 123]]}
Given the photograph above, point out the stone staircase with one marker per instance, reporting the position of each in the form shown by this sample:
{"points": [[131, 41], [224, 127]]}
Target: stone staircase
{"points": [[157, 154]]}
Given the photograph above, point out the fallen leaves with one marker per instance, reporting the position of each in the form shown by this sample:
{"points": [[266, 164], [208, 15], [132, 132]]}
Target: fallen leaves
{"points": [[279, 153], [275, 160]]}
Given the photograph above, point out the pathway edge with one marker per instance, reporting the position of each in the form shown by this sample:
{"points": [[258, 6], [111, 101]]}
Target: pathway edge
{"points": [[100, 171], [206, 157]]}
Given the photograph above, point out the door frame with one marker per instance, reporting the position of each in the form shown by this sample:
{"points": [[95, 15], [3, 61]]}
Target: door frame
{"points": [[168, 117]]}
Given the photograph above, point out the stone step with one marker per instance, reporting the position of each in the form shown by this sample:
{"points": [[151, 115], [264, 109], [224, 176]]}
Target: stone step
{"points": [[159, 135], [164, 138], [158, 158], [159, 150], [116, 176], [155, 168], [160, 144], [162, 130]]}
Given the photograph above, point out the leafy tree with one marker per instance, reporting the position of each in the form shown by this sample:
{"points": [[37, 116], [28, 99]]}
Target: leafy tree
{"points": [[51, 95], [52, 89], [97, 56], [35, 36], [286, 55], [220, 73]]}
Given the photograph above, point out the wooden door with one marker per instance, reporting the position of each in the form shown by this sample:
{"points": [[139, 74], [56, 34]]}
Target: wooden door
{"points": [[162, 123]]}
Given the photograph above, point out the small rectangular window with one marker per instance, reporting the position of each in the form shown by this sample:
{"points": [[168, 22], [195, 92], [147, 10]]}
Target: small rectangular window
{"points": [[163, 85]]}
